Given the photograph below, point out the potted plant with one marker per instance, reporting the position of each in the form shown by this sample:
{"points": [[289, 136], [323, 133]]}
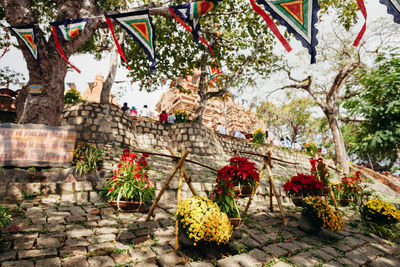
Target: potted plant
{"points": [[258, 136], [86, 159], [241, 173], [130, 187], [311, 148], [319, 170], [316, 214], [181, 116], [302, 185], [349, 189], [224, 196], [201, 221]]}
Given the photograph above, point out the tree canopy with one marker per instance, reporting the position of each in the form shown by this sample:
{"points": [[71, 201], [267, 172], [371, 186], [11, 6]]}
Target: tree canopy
{"points": [[377, 107]]}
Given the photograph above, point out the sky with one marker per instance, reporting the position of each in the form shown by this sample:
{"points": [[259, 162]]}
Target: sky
{"points": [[127, 92]]}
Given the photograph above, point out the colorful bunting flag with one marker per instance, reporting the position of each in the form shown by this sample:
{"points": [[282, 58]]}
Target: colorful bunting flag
{"points": [[71, 85], [212, 69], [150, 82], [69, 29], [91, 85], [8, 39], [177, 81], [163, 81], [191, 13], [139, 25], [195, 78], [299, 17], [393, 8], [28, 35]]}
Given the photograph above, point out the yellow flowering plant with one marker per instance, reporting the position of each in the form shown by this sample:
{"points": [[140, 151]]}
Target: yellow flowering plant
{"points": [[321, 214], [202, 221], [181, 115], [72, 96], [311, 148], [259, 136], [380, 212]]}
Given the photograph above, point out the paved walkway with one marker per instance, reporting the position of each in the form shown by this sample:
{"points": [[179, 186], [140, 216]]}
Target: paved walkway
{"points": [[95, 235]]}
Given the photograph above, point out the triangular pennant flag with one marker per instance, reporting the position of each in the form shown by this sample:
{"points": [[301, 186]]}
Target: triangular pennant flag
{"points": [[191, 13], [212, 69], [28, 35], [176, 81], [393, 8], [299, 17], [139, 25], [69, 29], [195, 78], [150, 82], [71, 85], [163, 81], [91, 85]]}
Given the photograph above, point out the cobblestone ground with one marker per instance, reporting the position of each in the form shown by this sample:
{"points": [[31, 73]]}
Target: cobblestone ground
{"points": [[67, 234]]}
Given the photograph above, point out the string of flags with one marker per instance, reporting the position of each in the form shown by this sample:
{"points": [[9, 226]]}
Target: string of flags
{"points": [[298, 16]]}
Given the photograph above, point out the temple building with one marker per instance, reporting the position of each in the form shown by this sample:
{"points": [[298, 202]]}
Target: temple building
{"points": [[93, 93], [237, 116]]}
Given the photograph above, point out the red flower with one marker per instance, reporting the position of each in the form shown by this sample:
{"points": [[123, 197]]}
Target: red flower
{"points": [[126, 150], [146, 155]]}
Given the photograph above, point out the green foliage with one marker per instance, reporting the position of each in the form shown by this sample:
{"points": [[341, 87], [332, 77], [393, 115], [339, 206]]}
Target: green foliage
{"points": [[181, 116], [72, 96], [378, 134], [92, 156], [258, 136], [11, 77], [5, 216], [346, 11], [131, 181]]}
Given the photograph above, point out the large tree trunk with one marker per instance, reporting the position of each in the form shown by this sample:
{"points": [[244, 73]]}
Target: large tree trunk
{"points": [[46, 108], [341, 155], [106, 90]]}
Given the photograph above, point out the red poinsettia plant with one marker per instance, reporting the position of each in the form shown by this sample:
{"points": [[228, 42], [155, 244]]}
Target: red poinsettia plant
{"points": [[303, 184], [319, 170], [239, 171], [350, 186], [131, 181]]}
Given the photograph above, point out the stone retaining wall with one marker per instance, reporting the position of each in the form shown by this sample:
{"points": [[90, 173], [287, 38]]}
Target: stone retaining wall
{"points": [[107, 126]]}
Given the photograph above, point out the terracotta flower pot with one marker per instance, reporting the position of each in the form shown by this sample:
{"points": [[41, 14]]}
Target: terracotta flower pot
{"points": [[243, 191], [236, 222], [326, 190], [297, 200], [307, 225], [344, 202], [130, 206]]}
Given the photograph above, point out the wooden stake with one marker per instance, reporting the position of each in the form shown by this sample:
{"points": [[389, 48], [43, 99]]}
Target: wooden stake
{"points": [[157, 199], [178, 201], [333, 197], [271, 194], [185, 175], [277, 196], [254, 189]]}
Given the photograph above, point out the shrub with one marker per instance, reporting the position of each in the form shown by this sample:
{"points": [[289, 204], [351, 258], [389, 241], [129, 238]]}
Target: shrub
{"points": [[72, 96], [321, 214], [181, 116], [259, 136], [5, 216], [202, 221], [380, 212], [91, 157], [351, 186], [319, 170]]}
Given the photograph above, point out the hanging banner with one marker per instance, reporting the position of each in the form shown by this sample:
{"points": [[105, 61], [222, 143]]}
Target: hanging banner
{"points": [[195, 78], [191, 13], [68, 29], [139, 26], [163, 81], [212, 69], [28, 35], [364, 27], [299, 17], [393, 8], [8, 39]]}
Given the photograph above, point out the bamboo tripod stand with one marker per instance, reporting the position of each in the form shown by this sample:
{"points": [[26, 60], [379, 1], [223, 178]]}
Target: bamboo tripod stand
{"points": [[273, 191], [182, 175]]}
